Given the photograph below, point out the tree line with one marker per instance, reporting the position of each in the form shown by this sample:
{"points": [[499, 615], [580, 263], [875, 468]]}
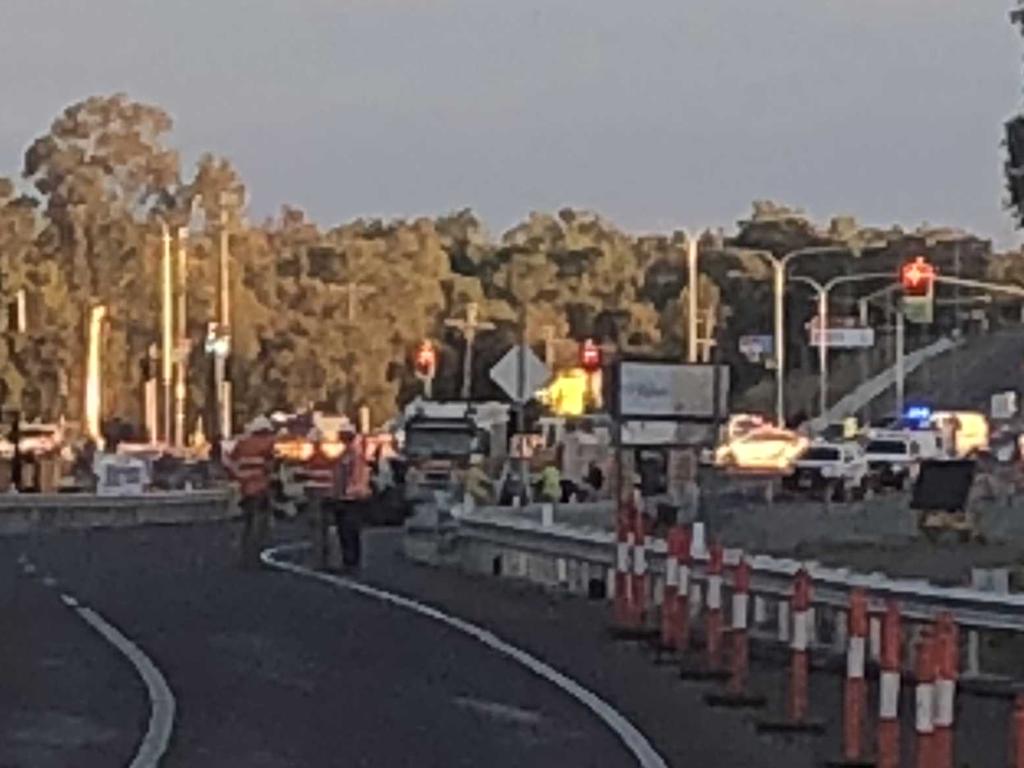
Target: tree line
{"points": [[330, 315]]}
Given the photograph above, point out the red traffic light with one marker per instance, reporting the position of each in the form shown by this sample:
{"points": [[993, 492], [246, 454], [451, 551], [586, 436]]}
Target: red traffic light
{"points": [[426, 360], [917, 277], [590, 355]]}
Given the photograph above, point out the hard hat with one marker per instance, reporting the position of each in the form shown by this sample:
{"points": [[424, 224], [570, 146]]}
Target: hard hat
{"points": [[315, 435], [260, 424]]}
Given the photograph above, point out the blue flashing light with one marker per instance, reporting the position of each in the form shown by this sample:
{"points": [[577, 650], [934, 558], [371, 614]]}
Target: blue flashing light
{"points": [[918, 413]]}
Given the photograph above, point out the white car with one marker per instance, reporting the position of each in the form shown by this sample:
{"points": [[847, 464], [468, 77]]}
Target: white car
{"points": [[768, 449], [837, 468], [892, 460]]}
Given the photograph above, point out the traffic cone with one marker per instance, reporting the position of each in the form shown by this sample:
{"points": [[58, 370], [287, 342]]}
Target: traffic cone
{"points": [[669, 640], [622, 611]]}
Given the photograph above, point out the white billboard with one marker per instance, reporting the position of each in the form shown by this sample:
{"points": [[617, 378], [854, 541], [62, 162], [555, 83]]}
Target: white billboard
{"points": [[672, 390]]}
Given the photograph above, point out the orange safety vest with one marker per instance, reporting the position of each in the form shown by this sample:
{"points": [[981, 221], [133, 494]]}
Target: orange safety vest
{"points": [[251, 462], [356, 469], [318, 474]]}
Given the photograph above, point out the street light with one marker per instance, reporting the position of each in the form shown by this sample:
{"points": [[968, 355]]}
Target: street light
{"points": [[822, 290], [779, 265]]}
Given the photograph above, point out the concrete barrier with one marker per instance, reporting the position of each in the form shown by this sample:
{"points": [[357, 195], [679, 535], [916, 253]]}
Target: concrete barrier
{"points": [[34, 513]]}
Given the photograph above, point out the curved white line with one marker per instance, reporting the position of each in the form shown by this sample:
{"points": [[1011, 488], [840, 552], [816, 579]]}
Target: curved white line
{"points": [[634, 740], [161, 700]]}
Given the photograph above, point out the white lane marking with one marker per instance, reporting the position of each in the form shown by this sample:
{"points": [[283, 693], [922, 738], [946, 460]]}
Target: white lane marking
{"points": [[498, 711], [28, 568], [49, 581], [635, 741], [161, 701]]}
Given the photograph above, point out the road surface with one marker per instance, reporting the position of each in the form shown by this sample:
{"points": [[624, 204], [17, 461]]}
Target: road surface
{"points": [[270, 669]]}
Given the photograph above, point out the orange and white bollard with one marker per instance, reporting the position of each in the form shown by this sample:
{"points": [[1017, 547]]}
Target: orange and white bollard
{"points": [[889, 688], [739, 661], [639, 586], [1016, 756], [713, 608], [681, 617], [946, 665], [797, 703], [798, 681], [924, 722], [622, 612], [855, 686], [735, 694], [669, 600]]}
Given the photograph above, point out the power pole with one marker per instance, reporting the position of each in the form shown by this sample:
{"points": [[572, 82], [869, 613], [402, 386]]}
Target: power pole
{"points": [[182, 350], [167, 350], [354, 291], [221, 424], [468, 328]]}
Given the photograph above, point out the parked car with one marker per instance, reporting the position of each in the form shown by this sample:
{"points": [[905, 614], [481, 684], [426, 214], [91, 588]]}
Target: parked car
{"points": [[836, 469]]}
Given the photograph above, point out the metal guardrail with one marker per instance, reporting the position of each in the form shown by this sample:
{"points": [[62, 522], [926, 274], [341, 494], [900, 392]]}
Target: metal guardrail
{"points": [[31, 512], [919, 600]]}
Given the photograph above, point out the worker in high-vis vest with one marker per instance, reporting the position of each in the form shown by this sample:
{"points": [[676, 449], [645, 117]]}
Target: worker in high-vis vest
{"points": [[251, 463], [354, 494], [319, 479]]}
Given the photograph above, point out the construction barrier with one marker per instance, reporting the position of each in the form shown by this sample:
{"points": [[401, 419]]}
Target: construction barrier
{"points": [[713, 609], [670, 598], [622, 612]]}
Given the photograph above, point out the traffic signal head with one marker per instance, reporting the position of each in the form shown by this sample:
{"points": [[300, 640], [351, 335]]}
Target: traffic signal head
{"points": [[917, 277], [590, 356], [426, 360]]}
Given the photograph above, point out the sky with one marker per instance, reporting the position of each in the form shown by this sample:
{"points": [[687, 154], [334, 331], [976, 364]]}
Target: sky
{"points": [[659, 114]]}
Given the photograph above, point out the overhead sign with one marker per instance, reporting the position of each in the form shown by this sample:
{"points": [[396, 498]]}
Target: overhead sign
{"points": [[505, 373], [672, 390], [844, 338]]}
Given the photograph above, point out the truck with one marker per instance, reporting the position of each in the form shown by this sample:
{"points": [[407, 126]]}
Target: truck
{"points": [[437, 441]]}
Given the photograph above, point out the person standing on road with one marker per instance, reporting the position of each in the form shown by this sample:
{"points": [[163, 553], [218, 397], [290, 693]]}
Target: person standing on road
{"points": [[353, 478], [250, 464], [317, 475]]}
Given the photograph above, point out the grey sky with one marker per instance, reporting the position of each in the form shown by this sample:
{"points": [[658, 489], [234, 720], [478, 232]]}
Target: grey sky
{"points": [[657, 113]]}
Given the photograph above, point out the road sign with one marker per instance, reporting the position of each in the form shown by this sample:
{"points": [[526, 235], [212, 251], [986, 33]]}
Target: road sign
{"points": [[844, 338], [505, 373], [756, 347]]}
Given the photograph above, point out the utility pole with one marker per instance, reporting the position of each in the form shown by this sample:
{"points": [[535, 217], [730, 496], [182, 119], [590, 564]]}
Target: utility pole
{"points": [[182, 351], [469, 328], [354, 291], [167, 351], [900, 354], [693, 278], [221, 424]]}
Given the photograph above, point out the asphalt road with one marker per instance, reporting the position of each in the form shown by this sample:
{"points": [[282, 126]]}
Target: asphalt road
{"points": [[271, 669]]}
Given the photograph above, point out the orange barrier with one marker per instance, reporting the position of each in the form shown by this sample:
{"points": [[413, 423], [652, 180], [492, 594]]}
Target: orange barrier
{"points": [[670, 599], [713, 608], [622, 612], [855, 690], [739, 661]]}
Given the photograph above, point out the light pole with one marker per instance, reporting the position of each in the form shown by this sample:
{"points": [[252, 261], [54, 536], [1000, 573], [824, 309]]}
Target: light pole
{"points": [[822, 290], [692, 277], [779, 265], [166, 356]]}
